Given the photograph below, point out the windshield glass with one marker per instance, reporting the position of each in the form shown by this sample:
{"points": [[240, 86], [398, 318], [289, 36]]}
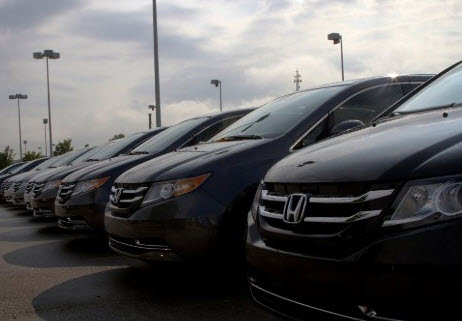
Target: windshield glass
{"points": [[168, 136], [85, 157], [20, 168], [115, 148], [49, 162], [9, 169], [69, 158], [278, 116], [443, 92]]}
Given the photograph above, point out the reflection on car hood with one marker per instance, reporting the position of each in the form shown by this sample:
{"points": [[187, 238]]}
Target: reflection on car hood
{"points": [[409, 147], [107, 167], [185, 162], [53, 174]]}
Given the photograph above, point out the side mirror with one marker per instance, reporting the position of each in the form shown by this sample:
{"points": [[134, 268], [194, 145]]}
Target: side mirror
{"points": [[345, 125]]}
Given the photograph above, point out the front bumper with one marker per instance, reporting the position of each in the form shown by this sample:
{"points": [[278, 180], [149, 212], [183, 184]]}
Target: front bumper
{"points": [[395, 276], [44, 203], [85, 210], [187, 227], [18, 197]]}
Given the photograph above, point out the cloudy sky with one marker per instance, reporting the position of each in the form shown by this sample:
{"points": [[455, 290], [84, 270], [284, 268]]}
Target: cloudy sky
{"points": [[103, 82]]}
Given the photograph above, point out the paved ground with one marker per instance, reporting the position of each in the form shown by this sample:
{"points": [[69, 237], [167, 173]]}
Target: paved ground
{"points": [[50, 274]]}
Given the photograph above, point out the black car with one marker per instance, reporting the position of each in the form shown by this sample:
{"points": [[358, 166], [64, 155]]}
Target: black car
{"points": [[84, 194], [18, 183], [192, 203], [8, 169], [367, 225], [45, 185], [27, 166]]}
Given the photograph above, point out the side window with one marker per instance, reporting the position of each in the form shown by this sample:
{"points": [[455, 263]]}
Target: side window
{"points": [[367, 105], [211, 131], [364, 107]]}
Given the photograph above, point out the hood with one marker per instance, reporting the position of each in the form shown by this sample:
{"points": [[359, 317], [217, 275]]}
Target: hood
{"points": [[187, 162], [53, 174], [24, 176], [420, 145], [109, 167]]}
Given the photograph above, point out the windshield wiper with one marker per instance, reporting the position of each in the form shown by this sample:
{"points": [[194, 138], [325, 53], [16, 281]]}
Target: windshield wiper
{"points": [[238, 137], [92, 160], [138, 152]]}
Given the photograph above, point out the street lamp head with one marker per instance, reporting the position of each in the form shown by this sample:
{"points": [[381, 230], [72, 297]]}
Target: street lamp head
{"points": [[215, 82], [25, 142], [12, 96], [21, 96], [37, 55], [335, 37], [152, 107], [50, 54], [45, 121]]}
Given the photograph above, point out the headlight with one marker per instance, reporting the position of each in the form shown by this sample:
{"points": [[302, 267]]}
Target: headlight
{"points": [[51, 185], [168, 189], [422, 202], [256, 201], [87, 186]]}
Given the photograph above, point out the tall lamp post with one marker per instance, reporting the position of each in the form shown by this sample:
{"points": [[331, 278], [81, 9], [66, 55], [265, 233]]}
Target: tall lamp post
{"points": [[217, 83], [337, 38], [40, 149], [45, 122], [48, 54], [156, 62], [18, 97], [152, 107]]}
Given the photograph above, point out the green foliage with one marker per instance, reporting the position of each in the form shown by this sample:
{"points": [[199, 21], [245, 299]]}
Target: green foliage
{"points": [[6, 157], [28, 156], [118, 136], [63, 147]]}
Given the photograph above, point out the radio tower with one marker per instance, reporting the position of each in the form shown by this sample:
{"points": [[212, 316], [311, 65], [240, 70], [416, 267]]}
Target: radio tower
{"points": [[297, 80]]}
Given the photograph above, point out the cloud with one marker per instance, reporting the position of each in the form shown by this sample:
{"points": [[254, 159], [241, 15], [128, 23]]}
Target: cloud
{"points": [[104, 81]]}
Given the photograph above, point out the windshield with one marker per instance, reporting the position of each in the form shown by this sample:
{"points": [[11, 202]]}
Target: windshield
{"points": [[277, 117], [49, 162], [10, 168], [25, 165], [117, 147], [89, 156], [168, 136], [69, 158], [443, 92]]}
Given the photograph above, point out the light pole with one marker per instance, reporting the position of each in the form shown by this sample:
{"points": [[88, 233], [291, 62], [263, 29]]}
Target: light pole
{"points": [[25, 146], [217, 83], [48, 54], [156, 62], [45, 122], [297, 80], [18, 97], [40, 149], [150, 115], [337, 38]]}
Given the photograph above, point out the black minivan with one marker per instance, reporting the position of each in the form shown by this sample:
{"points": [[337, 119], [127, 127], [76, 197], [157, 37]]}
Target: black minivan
{"points": [[367, 225], [192, 203], [81, 201]]}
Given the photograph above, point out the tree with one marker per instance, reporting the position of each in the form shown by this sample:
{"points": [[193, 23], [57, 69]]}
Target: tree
{"points": [[28, 156], [6, 157], [118, 136], [63, 147]]}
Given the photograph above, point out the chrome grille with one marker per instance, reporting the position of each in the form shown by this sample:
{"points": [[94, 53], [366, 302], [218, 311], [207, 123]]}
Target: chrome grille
{"points": [[38, 187], [29, 187], [332, 212], [65, 191], [127, 196], [16, 186]]}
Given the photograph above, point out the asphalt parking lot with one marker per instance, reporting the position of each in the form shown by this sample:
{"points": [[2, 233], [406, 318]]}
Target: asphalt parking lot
{"points": [[50, 274]]}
